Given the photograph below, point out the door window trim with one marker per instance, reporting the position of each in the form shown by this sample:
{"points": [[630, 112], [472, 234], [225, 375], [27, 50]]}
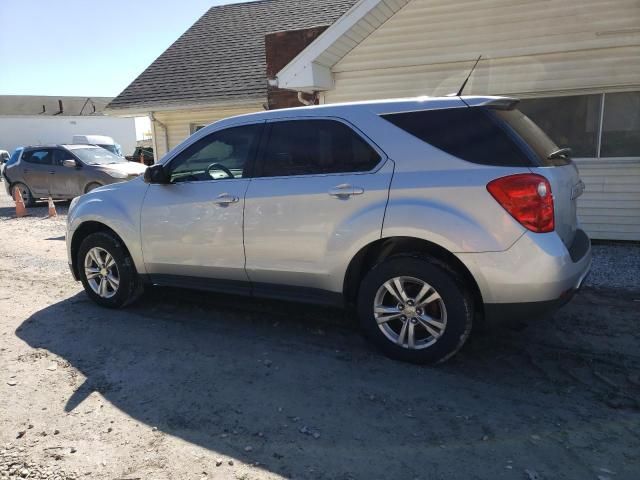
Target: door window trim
{"points": [[266, 134], [32, 151], [248, 171]]}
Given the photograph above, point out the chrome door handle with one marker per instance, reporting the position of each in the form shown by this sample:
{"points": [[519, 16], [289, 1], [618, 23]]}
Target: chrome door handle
{"points": [[226, 199], [345, 190]]}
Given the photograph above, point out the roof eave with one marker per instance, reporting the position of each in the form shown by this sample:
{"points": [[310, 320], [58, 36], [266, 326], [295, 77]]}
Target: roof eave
{"points": [[145, 109], [310, 70]]}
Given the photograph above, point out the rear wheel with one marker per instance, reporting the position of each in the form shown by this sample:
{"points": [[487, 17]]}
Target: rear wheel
{"points": [[27, 197], [415, 309], [107, 271]]}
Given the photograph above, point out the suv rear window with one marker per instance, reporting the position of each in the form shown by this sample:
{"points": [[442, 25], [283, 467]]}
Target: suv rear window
{"points": [[533, 136], [472, 134]]}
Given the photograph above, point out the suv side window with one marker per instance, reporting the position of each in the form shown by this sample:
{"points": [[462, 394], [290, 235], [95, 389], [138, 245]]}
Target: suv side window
{"points": [[311, 147], [470, 133], [39, 157], [232, 148], [60, 155]]}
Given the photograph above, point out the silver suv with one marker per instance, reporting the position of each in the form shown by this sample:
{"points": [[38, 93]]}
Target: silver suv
{"points": [[64, 171], [426, 215]]}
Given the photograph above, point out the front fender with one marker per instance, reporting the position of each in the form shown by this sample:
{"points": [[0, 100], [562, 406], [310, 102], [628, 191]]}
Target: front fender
{"points": [[116, 206]]}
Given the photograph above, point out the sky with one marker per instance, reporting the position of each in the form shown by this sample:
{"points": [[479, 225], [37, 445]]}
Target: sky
{"points": [[84, 47]]}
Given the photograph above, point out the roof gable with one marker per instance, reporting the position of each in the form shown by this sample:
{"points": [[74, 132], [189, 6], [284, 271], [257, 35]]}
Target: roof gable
{"points": [[221, 58], [311, 69]]}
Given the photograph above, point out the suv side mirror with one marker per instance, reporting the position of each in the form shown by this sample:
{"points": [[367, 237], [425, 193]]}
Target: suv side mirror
{"points": [[69, 163], [156, 174]]}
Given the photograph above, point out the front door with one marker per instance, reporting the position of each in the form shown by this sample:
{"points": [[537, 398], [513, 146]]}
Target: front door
{"points": [[192, 228], [65, 181], [37, 170], [319, 188]]}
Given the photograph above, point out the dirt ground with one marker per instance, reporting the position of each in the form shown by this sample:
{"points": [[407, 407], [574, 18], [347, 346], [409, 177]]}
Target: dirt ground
{"points": [[186, 385]]}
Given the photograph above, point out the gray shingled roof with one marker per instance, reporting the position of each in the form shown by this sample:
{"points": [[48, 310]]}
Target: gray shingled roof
{"points": [[221, 58]]}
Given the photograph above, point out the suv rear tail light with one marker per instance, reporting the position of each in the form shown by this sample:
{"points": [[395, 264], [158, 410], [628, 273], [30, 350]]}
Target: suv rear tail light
{"points": [[528, 198]]}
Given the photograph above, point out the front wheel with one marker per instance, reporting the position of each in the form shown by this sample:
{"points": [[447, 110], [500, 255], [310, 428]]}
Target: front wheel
{"points": [[415, 309], [107, 271]]}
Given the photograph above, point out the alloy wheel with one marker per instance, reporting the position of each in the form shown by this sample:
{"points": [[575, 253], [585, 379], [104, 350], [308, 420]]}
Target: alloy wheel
{"points": [[102, 272], [410, 312]]}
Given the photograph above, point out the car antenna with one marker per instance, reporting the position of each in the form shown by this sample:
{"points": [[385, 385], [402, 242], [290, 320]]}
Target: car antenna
{"points": [[464, 84]]}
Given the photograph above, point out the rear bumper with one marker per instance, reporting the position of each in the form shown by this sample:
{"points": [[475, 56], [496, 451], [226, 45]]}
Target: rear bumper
{"points": [[536, 275]]}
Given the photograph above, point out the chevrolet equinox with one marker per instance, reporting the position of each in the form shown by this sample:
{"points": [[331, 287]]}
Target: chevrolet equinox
{"points": [[426, 215]]}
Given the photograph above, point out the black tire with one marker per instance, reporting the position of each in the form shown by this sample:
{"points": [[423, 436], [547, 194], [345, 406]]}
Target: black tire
{"points": [[27, 196], [129, 287], [92, 186], [458, 305]]}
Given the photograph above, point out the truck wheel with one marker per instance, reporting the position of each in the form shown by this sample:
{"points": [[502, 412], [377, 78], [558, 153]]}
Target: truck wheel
{"points": [[415, 309]]}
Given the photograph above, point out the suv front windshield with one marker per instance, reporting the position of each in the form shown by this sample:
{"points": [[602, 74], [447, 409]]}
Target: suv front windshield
{"points": [[97, 156], [115, 149]]}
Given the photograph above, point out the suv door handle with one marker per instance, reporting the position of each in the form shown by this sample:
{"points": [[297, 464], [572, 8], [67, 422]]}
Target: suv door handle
{"points": [[225, 199], [345, 190]]}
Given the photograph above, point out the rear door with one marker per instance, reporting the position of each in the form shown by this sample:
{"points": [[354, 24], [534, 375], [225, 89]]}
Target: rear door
{"points": [[37, 170], [319, 184]]}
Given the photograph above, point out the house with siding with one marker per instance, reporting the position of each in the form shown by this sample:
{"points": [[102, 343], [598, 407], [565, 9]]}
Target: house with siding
{"points": [[218, 67], [574, 65]]}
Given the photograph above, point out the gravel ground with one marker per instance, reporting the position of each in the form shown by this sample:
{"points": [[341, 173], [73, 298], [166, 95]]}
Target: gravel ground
{"points": [[184, 385], [615, 266]]}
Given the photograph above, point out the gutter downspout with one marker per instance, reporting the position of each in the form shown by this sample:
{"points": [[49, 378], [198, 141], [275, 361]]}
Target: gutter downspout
{"points": [[306, 102], [166, 131]]}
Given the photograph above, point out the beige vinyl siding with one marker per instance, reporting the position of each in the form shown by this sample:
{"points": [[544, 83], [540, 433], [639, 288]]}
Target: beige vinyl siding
{"points": [[529, 46], [610, 205], [178, 123]]}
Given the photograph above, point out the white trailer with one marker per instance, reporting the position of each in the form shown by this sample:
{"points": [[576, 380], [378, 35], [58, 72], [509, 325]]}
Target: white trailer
{"points": [[23, 130]]}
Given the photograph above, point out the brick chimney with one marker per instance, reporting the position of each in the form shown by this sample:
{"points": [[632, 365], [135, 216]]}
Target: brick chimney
{"points": [[281, 48]]}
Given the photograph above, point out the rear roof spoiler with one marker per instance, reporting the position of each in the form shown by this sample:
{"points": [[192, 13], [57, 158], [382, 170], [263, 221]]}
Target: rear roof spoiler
{"points": [[499, 103]]}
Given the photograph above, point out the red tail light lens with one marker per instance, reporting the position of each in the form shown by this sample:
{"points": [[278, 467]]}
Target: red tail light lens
{"points": [[528, 198]]}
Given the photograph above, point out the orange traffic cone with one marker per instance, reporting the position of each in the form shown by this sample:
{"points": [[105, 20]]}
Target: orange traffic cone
{"points": [[21, 210], [52, 208]]}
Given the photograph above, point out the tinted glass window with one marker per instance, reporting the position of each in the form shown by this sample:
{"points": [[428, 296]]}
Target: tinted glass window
{"points": [[310, 147], [14, 156], [621, 125], [60, 155], [231, 149], [471, 134], [533, 136], [39, 157]]}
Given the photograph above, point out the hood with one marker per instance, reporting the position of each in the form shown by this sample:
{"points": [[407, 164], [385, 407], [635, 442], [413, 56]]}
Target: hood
{"points": [[129, 168]]}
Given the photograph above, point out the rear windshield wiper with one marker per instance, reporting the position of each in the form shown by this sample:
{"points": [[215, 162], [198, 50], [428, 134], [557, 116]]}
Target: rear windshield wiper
{"points": [[564, 153]]}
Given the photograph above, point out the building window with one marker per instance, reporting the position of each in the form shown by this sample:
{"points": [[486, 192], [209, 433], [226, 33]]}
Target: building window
{"points": [[194, 127], [621, 125], [605, 125], [569, 121]]}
